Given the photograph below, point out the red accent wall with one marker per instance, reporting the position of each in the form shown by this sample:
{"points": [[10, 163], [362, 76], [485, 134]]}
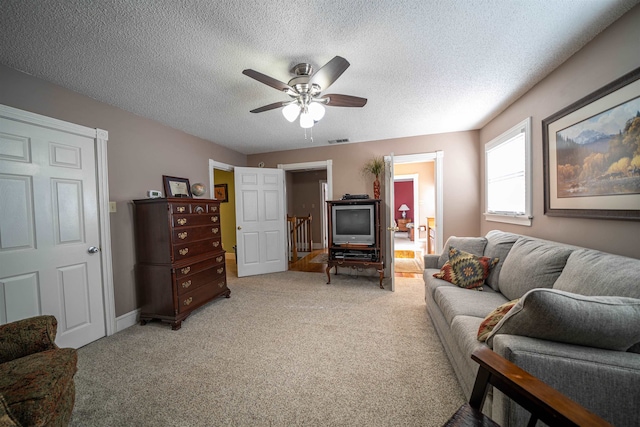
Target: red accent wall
{"points": [[403, 193]]}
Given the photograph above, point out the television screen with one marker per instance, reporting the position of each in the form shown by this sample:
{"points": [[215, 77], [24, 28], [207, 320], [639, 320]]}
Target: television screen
{"points": [[353, 221], [353, 224]]}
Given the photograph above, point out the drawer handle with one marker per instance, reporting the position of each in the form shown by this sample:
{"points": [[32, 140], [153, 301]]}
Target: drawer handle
{"points": [[186, 284], [184, 251], [215, 230], [221, 284], [214, 209], [199, 209], [182, 221], [214, 218], [218, 259], [188, 301], [180, 209], [185, 270], [220, 270], [182, 236], [216, 244]]}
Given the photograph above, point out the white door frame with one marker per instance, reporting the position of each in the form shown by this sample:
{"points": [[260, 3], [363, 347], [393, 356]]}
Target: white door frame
{"points": [[100, 137], [438, 158], [320, 165]]}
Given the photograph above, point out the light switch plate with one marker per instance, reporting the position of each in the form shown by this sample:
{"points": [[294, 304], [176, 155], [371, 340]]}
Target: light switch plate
{"points": [[112, 207]]}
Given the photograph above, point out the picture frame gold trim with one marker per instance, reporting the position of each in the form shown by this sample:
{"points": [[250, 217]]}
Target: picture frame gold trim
{"points": [[220, 193], [622, 205], [176, 187]]}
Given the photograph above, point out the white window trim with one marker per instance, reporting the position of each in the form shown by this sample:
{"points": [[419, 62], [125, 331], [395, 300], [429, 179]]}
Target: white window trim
{"points": [[526, 219]]}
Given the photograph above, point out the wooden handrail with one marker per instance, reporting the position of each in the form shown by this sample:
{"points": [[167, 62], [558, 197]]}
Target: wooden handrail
{"points": [[300, 235]]}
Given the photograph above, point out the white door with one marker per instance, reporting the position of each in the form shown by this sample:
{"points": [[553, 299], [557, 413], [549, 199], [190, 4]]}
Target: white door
{"points": [[48, 223], [260, 221], [389, 214]]}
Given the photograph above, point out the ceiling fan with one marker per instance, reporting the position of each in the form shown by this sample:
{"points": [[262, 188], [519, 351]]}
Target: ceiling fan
{"points": [[305, 91]]}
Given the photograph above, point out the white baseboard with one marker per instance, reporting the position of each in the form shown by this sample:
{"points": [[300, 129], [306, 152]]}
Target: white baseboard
{"points": [[126, 320]]}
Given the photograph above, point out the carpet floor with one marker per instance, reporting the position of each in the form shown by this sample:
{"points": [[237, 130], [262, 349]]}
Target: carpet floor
{"points": [[285, 350]]}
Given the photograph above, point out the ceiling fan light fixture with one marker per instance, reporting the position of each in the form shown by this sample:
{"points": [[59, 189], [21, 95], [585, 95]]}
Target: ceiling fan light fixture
{"points": [[317, 111], [306, 121], [290, 112]]}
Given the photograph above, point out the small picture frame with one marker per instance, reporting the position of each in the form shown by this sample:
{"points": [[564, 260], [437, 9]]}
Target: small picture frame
{"points": [[220, 192], [176, 187]]}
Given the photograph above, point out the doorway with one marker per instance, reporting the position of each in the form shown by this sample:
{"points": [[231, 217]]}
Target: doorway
{"points": [[423, 173]]}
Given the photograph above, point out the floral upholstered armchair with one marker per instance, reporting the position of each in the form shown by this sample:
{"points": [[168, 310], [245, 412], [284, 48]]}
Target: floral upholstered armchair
{"points": [[36, 376]]}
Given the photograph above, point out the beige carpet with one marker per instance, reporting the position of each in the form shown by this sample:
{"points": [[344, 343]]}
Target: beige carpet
{"points": [[286, 349]]}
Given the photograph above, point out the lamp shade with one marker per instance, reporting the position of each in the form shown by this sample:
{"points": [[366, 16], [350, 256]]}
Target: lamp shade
{"points": [[290, 112], [316, 110], [404, 208], [306, 121]]}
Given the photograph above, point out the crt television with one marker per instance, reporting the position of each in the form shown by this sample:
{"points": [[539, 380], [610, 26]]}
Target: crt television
{"points": [[353, 224]]}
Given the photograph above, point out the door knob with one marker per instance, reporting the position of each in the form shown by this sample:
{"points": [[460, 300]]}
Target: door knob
{"points": [[239, 228], [93, 250]]}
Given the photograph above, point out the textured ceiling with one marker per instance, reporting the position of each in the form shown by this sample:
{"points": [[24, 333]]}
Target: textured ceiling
{"points": [[426, 66]]}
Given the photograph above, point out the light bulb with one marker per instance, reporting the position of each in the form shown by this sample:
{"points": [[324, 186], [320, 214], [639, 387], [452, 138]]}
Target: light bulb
{"points": [[290, 112], [306, 121], [316, 110]]}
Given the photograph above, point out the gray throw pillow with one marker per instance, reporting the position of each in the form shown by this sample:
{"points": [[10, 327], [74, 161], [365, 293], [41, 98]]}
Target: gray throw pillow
{"points": [[498, 246], [531, 263], [472, 245], [590, 272], [593, 321]]}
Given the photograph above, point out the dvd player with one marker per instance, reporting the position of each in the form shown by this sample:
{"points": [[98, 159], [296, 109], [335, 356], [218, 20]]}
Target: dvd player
{"points": [[355, 196]]}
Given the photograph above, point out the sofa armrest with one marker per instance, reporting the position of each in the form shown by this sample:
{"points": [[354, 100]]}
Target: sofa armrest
{"points": [[431, 261], [603, 381], [27, 336]]}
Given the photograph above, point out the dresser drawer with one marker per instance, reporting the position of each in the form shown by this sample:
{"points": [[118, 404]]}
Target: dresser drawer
{"points": [[197, 297], [190, 283], [181, 208], [188, 250], [197, 267], [191, 234], [195, 219]]}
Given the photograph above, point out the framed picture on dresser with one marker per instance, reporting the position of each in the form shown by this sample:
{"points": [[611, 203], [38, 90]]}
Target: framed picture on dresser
{"points": [[176, 187]]}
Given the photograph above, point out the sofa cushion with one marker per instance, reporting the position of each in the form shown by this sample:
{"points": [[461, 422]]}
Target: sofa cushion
{"points": [[531, 263], [466, 270], [473, 245], [454, 301], [594, 321], [492, 319], [498, 246], [33, 386], [590, 272]]}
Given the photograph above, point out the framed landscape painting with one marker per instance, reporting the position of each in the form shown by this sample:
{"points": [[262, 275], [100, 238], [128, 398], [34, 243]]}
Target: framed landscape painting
{"points": [[591, 154]]}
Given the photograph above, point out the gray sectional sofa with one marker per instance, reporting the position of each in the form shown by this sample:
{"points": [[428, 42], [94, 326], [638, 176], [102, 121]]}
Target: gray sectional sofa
{"points": [[576, 324]]}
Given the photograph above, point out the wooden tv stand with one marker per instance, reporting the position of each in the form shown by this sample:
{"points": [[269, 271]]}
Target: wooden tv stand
{"points": [[352, 254]]}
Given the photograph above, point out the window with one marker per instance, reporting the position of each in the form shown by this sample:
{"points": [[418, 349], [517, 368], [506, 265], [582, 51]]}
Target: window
{"points": [[508, 176]]}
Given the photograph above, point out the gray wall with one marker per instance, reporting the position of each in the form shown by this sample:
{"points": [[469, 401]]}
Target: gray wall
{"points": [[461, 171], [613, 53], [140, 151]]}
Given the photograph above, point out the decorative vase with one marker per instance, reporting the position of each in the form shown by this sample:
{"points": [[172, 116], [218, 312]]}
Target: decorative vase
{"points": [[376, 188]]}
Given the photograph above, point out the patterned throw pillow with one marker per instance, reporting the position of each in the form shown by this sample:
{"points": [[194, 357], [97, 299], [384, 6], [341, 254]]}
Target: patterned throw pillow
{"points": [[493, 318], [466, 270]]}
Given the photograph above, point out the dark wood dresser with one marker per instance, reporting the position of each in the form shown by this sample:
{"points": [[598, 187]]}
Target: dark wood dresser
{"points": [[180, 261]]}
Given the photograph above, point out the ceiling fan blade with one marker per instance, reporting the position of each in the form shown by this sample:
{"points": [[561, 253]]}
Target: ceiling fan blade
{"points": [[269, 81], [336, 100], [270, 106], [330, 72]]}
